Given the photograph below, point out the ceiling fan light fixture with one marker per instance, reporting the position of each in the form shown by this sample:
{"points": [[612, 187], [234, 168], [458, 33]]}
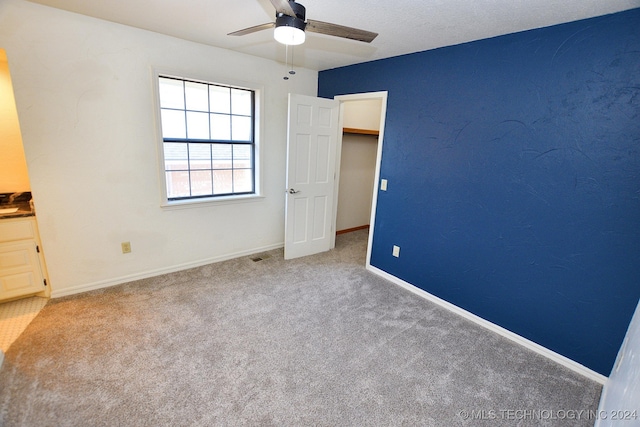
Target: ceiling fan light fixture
{"points": [[289, 30], [291, 24]]}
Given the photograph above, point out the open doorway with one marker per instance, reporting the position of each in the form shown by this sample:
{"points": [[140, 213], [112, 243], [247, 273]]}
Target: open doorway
{"points": [[362, 119], [314, 151], [22, 268]]}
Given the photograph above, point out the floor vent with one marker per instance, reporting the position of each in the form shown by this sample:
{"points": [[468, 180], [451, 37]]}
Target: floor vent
{"points": [[257, 258]]}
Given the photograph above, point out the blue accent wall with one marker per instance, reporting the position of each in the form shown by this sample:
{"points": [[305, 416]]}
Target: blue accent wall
{"points": [[513, 168]]}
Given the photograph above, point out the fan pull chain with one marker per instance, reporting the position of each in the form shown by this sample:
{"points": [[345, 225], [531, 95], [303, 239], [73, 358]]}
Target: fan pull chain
{"points": [[286, 61], [291, 71]]}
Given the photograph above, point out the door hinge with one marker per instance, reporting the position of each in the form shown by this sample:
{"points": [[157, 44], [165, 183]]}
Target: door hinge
{"points": [[37, 248], [45, 282]]}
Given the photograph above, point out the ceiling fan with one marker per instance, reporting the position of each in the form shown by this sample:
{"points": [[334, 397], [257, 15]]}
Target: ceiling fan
{"points": [[290, 26]]}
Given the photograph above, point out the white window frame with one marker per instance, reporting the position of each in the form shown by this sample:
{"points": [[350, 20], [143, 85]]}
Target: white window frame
{"points": [[258, 90]]}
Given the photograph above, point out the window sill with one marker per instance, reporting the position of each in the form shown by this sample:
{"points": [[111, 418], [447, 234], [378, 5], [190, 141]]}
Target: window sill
{"points": [[214, 201]]}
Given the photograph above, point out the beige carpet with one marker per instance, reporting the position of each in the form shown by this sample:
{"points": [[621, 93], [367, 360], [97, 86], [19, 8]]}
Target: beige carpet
{"points": [[314, 341]]}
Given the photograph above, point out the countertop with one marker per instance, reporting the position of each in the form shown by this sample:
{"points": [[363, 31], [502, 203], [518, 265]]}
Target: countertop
{"points": [[20, 202], [24, 210]]}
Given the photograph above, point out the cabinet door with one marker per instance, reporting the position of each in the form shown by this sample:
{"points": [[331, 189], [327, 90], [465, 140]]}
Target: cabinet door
{"points": [[20, 272]]}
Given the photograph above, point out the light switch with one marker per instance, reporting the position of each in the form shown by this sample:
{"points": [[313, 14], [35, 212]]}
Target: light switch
{"points": [[396, 251], [383, 185]]}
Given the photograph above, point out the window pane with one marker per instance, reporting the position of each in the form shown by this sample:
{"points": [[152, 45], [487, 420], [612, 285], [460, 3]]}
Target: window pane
{"points": [[177, 184], [222, 181], [201, 183], [240, 102], [242, 181], [242, 156], [197, 125], [241, 128], [200, 156], [221, 156], [220, 99], [176, 165], [173, 125], [175, 156], [197, 96], [220, 127], [171, 93]]}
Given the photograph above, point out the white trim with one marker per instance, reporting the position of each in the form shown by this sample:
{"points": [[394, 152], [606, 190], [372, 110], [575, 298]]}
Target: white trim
{"points": [[1, 358], [543, 351], [336, 175], [205, 202], [152, 273]]}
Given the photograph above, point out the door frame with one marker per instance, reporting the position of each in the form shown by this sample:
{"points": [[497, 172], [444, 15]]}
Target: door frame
{"points": [[382, 96]]}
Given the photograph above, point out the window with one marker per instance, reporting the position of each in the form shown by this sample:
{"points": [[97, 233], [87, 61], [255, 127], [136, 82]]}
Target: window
{"points": [[208, 139]]}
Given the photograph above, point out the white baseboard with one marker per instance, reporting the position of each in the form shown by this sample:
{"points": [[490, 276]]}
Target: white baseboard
{"points": [[558, 358], [152, 273]]}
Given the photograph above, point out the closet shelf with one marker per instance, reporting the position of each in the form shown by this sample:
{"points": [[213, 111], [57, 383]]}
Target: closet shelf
{"points": [[361, 131]]}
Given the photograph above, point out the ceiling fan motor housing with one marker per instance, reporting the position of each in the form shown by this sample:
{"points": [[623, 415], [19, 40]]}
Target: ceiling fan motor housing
{"points": [[298, 9], [292, 21]]}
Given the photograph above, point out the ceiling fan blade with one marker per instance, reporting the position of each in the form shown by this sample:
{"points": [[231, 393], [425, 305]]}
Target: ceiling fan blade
{"points": [[340, 31], [283, 6], [252, 29]]}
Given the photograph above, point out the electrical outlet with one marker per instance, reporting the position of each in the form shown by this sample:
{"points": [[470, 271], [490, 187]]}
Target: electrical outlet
{"points": [[126, 247], [396, 251]]}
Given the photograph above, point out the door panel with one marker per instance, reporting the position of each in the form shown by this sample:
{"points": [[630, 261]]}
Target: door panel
{"points": [[311, 162], [319, 217], [303, 159], [322, 159], [301, 209]]}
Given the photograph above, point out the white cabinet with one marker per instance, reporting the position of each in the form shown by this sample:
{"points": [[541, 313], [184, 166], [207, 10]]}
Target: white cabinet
{"points": [[21, 265]]}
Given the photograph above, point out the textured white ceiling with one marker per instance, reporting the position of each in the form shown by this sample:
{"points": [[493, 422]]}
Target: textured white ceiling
{"points": [[404, 27]]}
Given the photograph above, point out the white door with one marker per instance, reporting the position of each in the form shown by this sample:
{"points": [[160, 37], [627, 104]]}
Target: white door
{"points": [[311, 164]]}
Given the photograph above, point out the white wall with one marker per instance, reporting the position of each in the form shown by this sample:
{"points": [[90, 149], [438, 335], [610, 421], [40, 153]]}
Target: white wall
{"points": [[362, 114], [620, 401], [84, 92]]}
